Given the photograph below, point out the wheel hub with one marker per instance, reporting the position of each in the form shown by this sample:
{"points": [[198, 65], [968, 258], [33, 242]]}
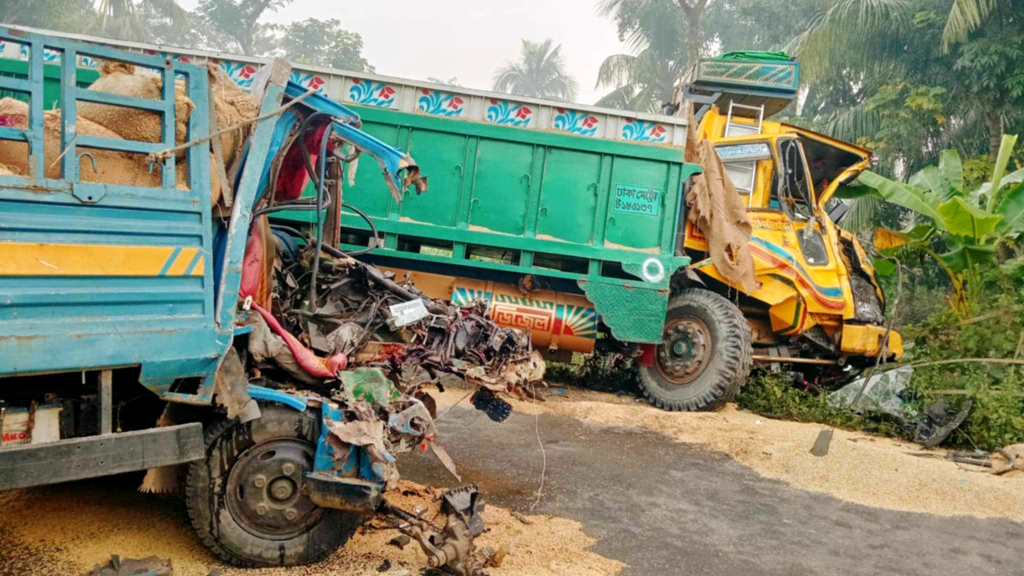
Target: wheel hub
{"points": [[686, 351], [264, 492]]}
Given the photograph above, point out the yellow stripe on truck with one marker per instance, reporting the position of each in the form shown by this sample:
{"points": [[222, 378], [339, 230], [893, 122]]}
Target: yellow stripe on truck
{"points": [[37, 259]]}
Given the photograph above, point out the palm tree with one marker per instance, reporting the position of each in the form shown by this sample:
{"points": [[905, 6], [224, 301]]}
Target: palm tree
{"points": [[645, 78], [539, 73], [129, 20], [641, 82]]}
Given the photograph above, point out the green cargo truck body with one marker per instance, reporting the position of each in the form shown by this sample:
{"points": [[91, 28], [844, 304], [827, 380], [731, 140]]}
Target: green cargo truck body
{"points": [[577, 214]]}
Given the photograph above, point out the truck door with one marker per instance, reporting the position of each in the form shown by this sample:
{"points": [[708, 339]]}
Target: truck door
{"points": [[807, 242]]}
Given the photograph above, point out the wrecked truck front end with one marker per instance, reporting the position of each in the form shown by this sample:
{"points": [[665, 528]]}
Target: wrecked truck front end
{"points": [[174, 336]]}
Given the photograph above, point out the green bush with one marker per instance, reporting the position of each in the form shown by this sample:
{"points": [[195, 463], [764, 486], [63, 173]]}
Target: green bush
{"points": [[994, 331], [997, 391]]}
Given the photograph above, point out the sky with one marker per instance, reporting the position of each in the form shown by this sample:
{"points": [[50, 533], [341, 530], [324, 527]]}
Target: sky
{"points": [[468, 40]]}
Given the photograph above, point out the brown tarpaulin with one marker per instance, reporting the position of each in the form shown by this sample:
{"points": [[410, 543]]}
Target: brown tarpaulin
{"points": [[716, 208]]}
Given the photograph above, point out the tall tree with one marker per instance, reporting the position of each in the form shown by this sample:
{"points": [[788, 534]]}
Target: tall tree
{"points": [[324, 43], [63, 15], [539, 73], [234, 25], [644, 79], [131, 20]]}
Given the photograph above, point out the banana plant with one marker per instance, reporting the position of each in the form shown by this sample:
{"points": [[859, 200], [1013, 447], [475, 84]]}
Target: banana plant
{"points": [[973, 224]]}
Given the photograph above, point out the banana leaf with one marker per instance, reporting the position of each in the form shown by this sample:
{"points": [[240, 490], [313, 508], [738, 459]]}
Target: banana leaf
{"points": [[909, 197], [952, 171], [962, 219], [1012, 209]]}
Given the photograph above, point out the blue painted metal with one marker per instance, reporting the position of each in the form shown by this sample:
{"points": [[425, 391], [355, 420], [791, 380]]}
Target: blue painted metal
{"points": [[84, 321], [271, 395], [391, 158]]}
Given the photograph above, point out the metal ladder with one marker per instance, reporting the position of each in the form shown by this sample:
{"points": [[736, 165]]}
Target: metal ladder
{"points": [[736, 129]]}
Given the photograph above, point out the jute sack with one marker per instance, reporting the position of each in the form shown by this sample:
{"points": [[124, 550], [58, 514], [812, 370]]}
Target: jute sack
{"points": [[111, 167], [133, 123]]}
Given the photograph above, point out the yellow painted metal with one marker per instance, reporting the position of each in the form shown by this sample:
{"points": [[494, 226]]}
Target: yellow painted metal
{"points": [[791, 317], [800, 294], [36, 259], [866, 340]]}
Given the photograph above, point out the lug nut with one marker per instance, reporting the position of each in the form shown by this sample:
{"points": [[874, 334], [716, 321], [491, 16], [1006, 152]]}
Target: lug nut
{"points": [[259, 481], [291, 514], [288, 469], [261, 509]]}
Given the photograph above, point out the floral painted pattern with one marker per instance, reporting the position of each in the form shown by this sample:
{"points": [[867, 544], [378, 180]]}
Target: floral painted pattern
{"points": [[509, 113], [242, 74], [440, 103], [575, 122], [88, 62], [49, 55], [641, 131], [309, 80], [366, 92]]}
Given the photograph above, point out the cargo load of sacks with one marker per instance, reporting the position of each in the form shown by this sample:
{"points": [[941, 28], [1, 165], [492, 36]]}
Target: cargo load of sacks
{"points": [[232, 106]]}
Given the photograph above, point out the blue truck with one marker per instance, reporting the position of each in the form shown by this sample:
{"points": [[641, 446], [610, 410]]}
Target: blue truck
{"points": [[128, 313]]}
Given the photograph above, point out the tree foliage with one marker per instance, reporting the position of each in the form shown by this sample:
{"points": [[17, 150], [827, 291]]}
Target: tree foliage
{"points": [[539, 73], [324, 43]]}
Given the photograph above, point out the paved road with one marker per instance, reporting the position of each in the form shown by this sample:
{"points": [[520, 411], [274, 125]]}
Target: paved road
{"points": [[665, 508]]}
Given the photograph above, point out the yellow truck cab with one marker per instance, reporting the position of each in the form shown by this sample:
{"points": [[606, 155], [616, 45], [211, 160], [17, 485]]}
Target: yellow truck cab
{"points": [[817, 301]]}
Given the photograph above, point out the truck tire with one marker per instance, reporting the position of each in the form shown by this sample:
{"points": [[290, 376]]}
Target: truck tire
{"points": [[245, 499], [706, 355]]}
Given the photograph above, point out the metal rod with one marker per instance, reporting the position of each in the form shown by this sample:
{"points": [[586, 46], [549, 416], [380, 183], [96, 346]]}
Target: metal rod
{"points": [[792, 360], [106, 401]]}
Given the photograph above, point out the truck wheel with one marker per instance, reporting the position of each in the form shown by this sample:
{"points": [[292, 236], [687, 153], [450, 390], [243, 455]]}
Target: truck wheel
{"points": [[705, 357], [246, 501]]}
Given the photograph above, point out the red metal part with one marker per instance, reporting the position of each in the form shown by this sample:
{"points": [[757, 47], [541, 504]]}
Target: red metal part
{"points": [[311, 363], [647, 358]]}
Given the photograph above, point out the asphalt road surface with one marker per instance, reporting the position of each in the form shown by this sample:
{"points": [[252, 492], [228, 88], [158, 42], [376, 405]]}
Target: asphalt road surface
{"points": [[665, 508]]}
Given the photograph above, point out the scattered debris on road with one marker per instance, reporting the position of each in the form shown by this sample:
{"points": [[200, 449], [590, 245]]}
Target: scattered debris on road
{"points": [[884, 394], [821, 443], [151, 566]]}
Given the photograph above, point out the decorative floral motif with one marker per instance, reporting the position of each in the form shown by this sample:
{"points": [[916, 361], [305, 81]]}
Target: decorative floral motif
{"points": [[88, 62], [510, 113], [242, 74], [641, 131], [366, 92], [309, 80], [440, 103], [575, 122], [49, 55]]}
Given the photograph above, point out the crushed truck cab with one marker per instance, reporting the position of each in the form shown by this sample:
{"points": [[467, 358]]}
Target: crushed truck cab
{"points": [[817, 301]]}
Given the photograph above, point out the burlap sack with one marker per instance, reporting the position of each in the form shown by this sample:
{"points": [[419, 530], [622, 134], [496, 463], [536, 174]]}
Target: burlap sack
{"points": [[111, 167], [232, 106], [132, 123], [715, 207]]}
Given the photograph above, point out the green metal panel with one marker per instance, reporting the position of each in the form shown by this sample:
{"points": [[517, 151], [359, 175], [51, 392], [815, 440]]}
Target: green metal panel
{"points": [[640, 195], [369, 173], [502, 182], [547, 196], [84, 77], [633, 314], [568, 195], [446, 155]]}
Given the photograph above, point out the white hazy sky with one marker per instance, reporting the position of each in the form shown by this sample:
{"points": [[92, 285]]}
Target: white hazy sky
{"points": [[469, 39]]}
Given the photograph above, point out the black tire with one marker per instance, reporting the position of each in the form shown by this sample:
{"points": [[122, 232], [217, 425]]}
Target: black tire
{"points": [[714, 375], [229, 524]]}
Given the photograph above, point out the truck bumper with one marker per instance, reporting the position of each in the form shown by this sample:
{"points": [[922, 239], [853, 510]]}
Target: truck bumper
{"points": [[866, 340], [94, 456]]}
